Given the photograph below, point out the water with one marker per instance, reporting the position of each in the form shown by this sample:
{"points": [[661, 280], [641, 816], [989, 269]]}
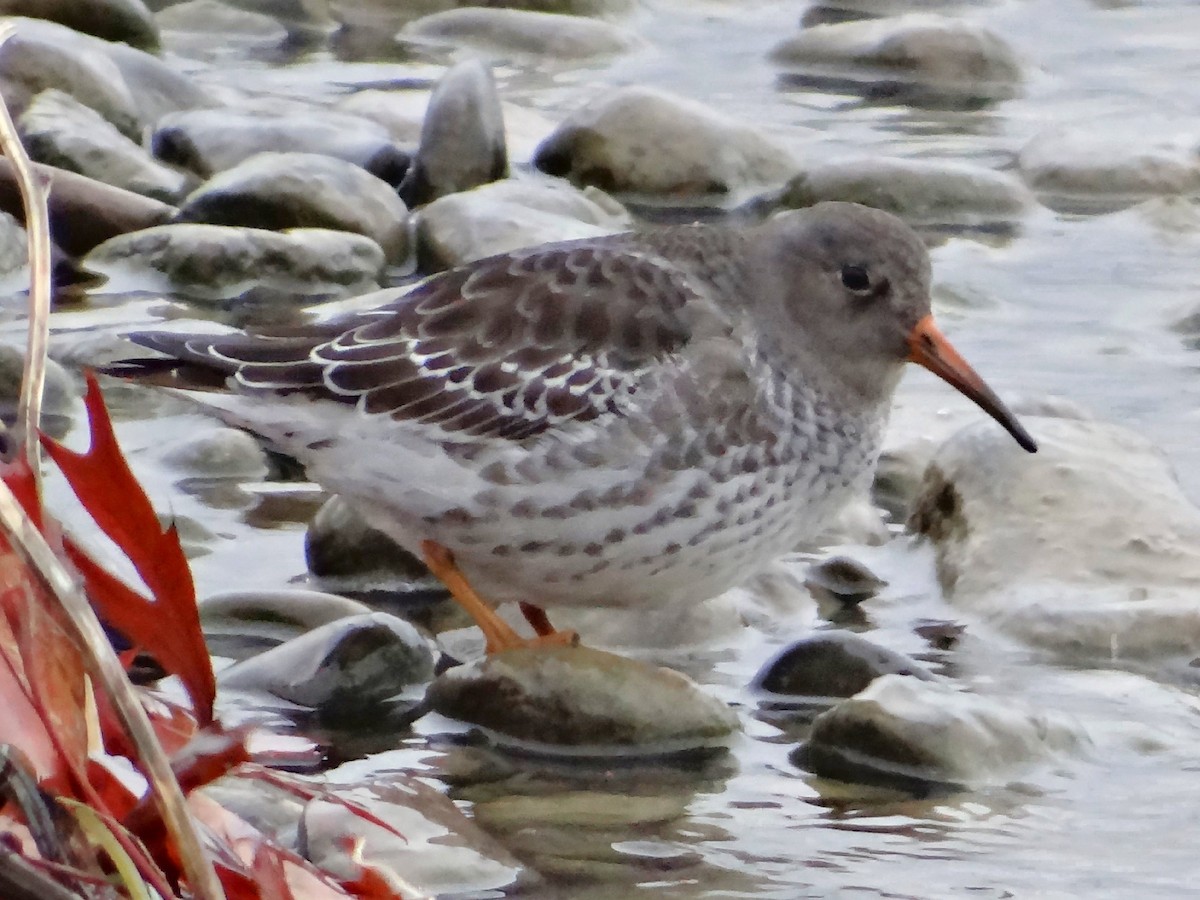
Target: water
{"points": [[1074, 305]]}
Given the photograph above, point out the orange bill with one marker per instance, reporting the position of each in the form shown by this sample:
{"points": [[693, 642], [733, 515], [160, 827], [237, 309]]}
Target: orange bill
{"points": [[928, 347]]}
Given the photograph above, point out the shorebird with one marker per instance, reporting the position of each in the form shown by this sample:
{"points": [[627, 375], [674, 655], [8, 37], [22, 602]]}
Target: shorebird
{"points": [[641, 419]]}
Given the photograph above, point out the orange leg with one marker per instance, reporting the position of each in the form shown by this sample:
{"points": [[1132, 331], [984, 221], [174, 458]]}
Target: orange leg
{"points": [[537, 618], [498, 633]]}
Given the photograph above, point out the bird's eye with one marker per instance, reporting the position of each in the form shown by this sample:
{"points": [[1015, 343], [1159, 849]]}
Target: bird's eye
{"points": [[855, 278]]}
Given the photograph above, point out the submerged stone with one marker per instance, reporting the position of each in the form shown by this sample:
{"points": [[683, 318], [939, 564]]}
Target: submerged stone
{"points": [[831, 664], [583, 699]]}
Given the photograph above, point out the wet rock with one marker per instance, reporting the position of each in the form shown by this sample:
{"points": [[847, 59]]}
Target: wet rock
{"points": [[113, 20], [60, 131], [59, 399], [643, 140], [1090, 172], [302, 190], [211, 262], [916, 735], [203, 19], [84, 212], [462, 136], [922, 192], [400, 112], [431, 849], [339, 543], [348, 670], [523, 32], [1058, 551], [892, 56], [241, 624], [208, 141], [126, 86], [844, 579], [508, 214], [14, 248], [218, 452], [831, 664], [583, 699]]}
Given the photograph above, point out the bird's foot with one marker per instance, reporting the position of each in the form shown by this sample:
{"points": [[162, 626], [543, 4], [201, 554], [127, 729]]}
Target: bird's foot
{"points": [[498, 634]]}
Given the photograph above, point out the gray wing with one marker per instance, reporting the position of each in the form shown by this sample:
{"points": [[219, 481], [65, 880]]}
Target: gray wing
{"points": [[505, 347]]}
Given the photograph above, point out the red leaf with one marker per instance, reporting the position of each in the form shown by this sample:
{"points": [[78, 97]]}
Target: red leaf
{"points": [[169, 626]]}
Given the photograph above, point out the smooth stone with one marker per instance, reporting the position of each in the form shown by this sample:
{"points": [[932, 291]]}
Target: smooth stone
{"points": [[340, 544], [431, 850], [84, 212], [831, 664], [523, 32], [214, 262], [462, 136], [1078, 170], [127, 86], [400, 112], [278, 191], [208, 141], [844, 578], [1059, 552], [216, 451], [211, 17], [950, 55], [42, 55], [58, 130], [919, 191], [60, 394], [298, 610], [642, 140], [14, 250], [582, 699], [347, 670], [112, 20], [509, 214], [913, 734], [582, 809]]}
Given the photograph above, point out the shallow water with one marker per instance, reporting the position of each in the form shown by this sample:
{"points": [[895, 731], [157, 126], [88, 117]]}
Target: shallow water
{"points": [[1072, 305]]}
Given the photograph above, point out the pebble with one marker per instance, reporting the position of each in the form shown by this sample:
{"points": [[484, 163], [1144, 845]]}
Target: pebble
{"points": [[462, 136], [505, 31], [918, 191], [1055, 550], [216, 451], [643, 140], [214, 262], [208, 141], [279, 191], [940, 56], [920, 735], [113, 20], [350, 670], [830, 664], [340, 544], [844, 579], [241, 624], [512, 213], [60, 396], [58, 130], [585, 700]]}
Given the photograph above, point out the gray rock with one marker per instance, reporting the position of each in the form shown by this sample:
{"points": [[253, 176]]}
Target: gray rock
{"points": [[303, 190], [508, 214], [583, 699], [126, 86], [462, 136], [60, 131], [212, 262], [429, 849], [845, 579], [60, 393], [830, 664], [113, 20], [1097, 172], [209, 141], [648, 141], [922, 192], [242, 624], [523, 32], [400, 112], [1056, 550], [84, 212], [217, 451], [347, 670], [913, 734], [946, 55], [14, 248], [340, 544], [204, 19]]}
